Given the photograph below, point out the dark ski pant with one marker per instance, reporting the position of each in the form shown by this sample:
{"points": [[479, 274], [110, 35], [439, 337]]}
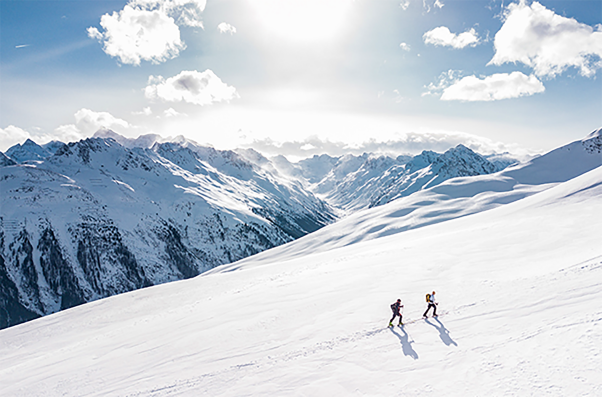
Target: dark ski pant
{"points": [[429, 307], [395, 314]]}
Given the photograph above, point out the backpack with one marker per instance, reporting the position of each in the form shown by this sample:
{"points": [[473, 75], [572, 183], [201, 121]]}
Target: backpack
{"points": [[428, 298], [393, 306]]}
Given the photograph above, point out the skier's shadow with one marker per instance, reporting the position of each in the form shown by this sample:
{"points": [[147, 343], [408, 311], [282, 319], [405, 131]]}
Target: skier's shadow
{"points": [[443, 332], [406, 344]]}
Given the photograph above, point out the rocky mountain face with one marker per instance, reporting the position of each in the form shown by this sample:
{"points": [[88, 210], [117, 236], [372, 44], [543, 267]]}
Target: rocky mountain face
{"points": [[97, 218]]}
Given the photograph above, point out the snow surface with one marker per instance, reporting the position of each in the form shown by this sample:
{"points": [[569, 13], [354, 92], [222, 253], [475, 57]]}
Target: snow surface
{"points": [[519, 288]]}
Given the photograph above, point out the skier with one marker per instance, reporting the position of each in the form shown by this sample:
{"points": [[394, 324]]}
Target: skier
{"points": [[430, 299], [396, 307]]}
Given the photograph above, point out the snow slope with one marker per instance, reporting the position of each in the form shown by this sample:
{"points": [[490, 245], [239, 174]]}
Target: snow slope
{"points": [[455, 198], [519, 287]]}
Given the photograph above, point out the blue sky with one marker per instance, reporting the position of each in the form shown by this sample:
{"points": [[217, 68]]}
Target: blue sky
{"points": [[304, 77]]}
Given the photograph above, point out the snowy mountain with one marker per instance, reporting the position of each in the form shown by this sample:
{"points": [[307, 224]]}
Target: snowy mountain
{"points": [[518, 289], [352, 182], [455, 198], [97, 218]]}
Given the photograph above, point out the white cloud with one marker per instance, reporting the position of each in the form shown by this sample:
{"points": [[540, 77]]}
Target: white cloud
{"points": [[186, 12], [226, 28], [547, 42], [404, 46], [12, 135], [135, 35], [144, 112], [171, 112], [147, 30], [430, 4], [94, 33], [398, 98], [404, 4], [444, 37], [445, 80], [492, 88], [87, 122], [199, 88]]}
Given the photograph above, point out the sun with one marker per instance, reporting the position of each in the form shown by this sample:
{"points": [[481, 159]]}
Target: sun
{"points": [[303, 20]]}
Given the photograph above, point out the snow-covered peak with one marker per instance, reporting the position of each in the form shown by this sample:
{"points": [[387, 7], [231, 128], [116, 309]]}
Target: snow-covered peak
{"points": [[143, 141], [561, 164], [315, 168], [201, 159], [253, 156], [53, 146], [29, 150], [593, 142], [91, 151], [422, 160], [461, 161], [594, 134]]}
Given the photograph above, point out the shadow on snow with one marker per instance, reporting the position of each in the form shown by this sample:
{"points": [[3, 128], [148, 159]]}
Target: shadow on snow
{"points": [[443, 332], [406, 344]]}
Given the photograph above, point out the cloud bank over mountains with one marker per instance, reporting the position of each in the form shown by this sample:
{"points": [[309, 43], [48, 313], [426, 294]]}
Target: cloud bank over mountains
{"points": [[408, 143]]}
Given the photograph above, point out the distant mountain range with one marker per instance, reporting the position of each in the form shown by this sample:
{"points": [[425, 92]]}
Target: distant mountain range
{"points": [[107, 215], [352, 182]]}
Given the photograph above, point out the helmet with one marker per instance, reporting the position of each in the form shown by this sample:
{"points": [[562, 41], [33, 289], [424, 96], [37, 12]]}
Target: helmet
{"points": [[398, 300]]}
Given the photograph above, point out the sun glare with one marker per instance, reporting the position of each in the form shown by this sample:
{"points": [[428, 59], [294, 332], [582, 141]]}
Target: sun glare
{"points": [[303, 20]]}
